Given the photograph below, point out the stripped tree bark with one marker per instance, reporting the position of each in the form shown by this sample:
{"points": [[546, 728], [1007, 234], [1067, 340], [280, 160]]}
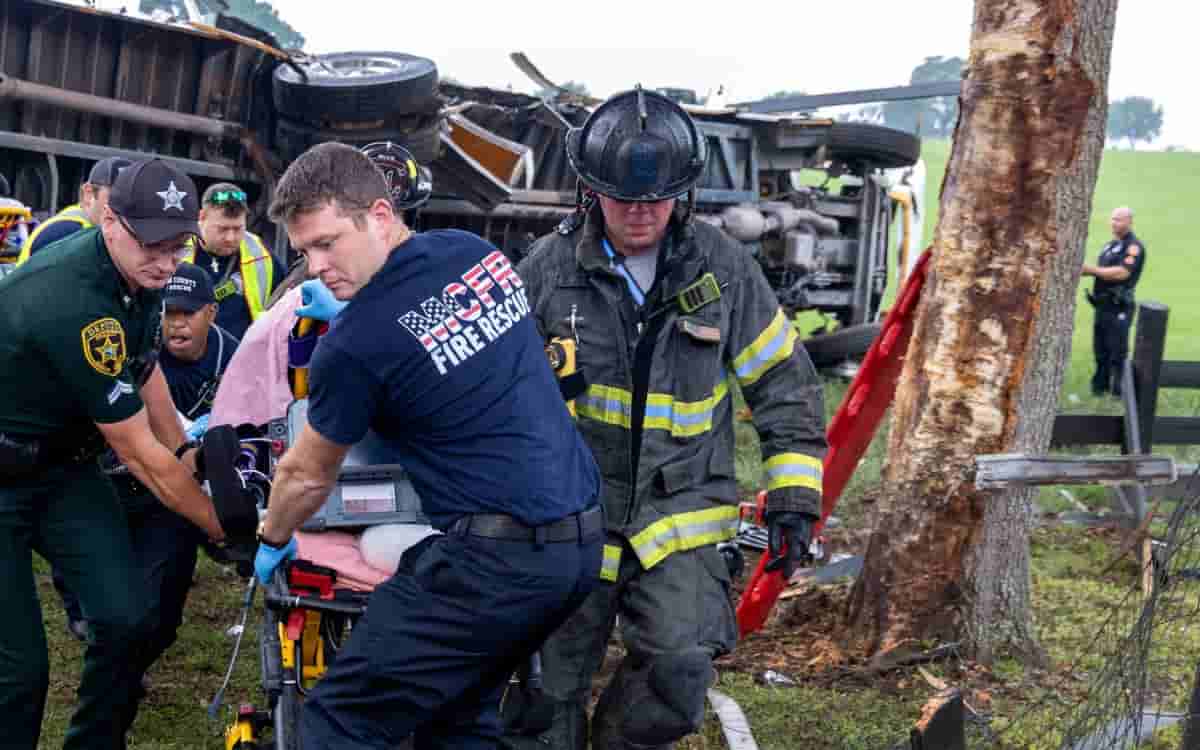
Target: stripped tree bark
{"points": [[993, 332]]}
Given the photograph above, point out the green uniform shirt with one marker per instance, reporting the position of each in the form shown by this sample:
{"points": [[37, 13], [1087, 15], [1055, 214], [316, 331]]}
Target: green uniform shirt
{"points": [[73, 340]]}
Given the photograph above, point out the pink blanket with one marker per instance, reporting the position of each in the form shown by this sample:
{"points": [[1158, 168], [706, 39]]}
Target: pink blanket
{"points": [[339, 550], [254, 387]]}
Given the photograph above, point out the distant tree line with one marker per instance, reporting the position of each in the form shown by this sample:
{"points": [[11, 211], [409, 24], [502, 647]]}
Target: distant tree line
{"points": [[257, 12]]}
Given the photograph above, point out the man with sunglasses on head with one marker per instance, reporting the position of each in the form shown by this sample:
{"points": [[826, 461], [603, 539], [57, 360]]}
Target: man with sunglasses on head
{"points": [[663, 313], [243, 271], [93, 197], [80, 329]]}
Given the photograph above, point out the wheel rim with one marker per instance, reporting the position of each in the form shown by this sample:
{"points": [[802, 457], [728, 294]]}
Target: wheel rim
{"points": [[366, 66]]}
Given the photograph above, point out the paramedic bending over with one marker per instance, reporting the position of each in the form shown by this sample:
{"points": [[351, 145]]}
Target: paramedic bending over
{"points": [[437, 354]]}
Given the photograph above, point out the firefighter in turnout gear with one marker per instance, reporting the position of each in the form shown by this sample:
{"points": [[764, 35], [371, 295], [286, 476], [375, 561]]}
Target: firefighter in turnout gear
{"points": [[662, 317], [1116, 274]]}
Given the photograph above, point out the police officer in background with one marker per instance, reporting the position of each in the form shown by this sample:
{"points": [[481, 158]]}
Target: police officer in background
{"points": [[1116, 274], [663, 312], [436, 353], [243, 271], [79, 329], [93, 197]]}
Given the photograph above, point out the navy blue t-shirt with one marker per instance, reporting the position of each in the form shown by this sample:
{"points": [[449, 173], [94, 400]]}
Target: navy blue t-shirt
{"points": [[193, 385], [53, 233], [439, 356]]}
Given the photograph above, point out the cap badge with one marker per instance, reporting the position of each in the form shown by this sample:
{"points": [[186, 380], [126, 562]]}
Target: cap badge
{"points": [[172, 197]]}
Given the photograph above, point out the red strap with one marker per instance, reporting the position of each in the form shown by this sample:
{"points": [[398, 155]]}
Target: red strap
{"points": [[849, 434]]}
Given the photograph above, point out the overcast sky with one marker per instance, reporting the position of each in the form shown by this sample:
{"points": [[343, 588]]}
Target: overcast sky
{"points": [[752, 47]]}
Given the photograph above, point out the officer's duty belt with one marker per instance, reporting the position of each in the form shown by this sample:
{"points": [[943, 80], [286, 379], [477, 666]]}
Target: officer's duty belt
{"points": [[575, 527]]}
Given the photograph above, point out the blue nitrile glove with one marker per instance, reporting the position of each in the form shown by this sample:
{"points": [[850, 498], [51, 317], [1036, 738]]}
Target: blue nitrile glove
{"points": [[318, 302], [198, 428], [268, 559]]}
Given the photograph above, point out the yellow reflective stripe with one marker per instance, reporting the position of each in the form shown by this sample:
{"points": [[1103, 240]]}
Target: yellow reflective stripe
{"points": [[256, 274], [794, 470], [611, 564], [607, 404], [612, 405], [684, 531], [683, 418], [73, 213], [774, 345]]}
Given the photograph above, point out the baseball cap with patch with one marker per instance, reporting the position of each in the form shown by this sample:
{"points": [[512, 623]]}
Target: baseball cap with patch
{"points": [[105, 172], [156, 200], [189, 289]]}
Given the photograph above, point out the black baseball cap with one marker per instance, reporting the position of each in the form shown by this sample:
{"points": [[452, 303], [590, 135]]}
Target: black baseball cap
{"points": [[189, 289], [156, 200], [105, 172]]}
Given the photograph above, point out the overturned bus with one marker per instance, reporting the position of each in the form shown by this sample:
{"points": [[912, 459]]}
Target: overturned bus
{"points": [[814, 200]]}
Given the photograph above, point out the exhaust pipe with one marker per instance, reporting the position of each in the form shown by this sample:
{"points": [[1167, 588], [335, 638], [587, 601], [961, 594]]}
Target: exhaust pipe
{"points": [[15, 88]]}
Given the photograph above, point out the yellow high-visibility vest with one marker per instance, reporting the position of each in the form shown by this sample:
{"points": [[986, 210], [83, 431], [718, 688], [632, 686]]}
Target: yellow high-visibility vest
{"points": [[257, 272], [73, 213]]}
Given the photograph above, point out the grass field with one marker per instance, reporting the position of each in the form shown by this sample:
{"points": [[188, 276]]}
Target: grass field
{"points": [[1161, 188]]}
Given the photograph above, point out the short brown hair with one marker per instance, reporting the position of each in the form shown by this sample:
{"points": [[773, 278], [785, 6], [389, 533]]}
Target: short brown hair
{"points": [[328, 173], [216, 196]]}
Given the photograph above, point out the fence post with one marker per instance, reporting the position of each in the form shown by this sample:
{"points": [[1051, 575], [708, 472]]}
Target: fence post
{"points": [[1191, 726], [1148, 348]]}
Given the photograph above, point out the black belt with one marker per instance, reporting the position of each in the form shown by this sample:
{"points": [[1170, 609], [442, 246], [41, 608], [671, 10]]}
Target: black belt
{"points": [[576, 527]]}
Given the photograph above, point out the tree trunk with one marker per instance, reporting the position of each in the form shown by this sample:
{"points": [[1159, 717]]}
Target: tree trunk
{"points": [[993, 331]]}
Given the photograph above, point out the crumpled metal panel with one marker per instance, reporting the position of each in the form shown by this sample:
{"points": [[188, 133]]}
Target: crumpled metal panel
{"points": [[130, 59]]}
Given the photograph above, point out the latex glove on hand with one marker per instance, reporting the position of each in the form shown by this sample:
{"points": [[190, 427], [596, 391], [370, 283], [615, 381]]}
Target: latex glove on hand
{"points": [[788, 537], [317, 302], [198, 428], [269, 558]]}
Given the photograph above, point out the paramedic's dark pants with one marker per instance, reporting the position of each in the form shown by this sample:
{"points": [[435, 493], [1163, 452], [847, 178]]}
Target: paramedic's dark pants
{"points": [[440, 638], [164, 548], [1110, 342], [70, 516]]}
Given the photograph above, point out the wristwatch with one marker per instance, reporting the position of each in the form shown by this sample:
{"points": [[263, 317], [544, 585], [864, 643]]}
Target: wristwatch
{"points": [[185, 448], [263, 540]]}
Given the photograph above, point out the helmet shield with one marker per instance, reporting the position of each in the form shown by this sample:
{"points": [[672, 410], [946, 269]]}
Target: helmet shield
{"points": [[409, 183], [638, 146]]}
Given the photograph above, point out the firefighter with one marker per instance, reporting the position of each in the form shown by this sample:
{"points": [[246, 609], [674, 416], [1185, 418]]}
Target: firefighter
{"points": [[437, 354], [1116, 273], [665, 316], [81, 328], [243, 271], [93, 197]]}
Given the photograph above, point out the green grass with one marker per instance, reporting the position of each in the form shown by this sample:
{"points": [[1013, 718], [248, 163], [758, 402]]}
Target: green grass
{"points": [[1071, 603], [1161, 188]]}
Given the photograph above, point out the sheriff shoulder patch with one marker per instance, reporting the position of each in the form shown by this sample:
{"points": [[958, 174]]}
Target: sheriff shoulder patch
{"points": [[104, 346]]}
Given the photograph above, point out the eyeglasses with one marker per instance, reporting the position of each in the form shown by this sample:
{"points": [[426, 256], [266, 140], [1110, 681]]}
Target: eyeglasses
{"points": [[176, 251], [222, 197]]}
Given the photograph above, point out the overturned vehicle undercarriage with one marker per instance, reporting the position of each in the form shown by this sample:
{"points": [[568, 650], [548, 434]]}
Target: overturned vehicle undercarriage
{"points": [[813, 199]]}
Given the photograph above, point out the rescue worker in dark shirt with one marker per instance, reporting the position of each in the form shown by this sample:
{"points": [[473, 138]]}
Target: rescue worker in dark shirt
{"points": [[243, 271], [195, 350], [437, 354], [1116, 274], [79, 329], [93, 197]]}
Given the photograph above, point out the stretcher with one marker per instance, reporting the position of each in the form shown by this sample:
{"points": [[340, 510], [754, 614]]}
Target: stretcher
{"points": [[313, 603]]}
